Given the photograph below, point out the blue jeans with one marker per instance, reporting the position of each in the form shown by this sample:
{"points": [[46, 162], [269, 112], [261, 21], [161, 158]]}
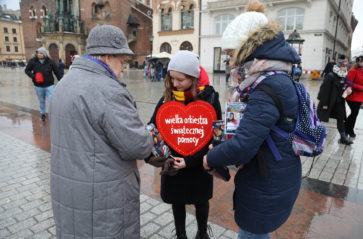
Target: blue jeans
{"points": [[43, 93], [242, 234]]}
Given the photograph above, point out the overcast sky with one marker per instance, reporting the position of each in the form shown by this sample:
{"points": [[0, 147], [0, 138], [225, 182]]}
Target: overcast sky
{"points": [[357, 42]]}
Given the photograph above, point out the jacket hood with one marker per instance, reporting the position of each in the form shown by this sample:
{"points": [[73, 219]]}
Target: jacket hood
{"points": [[267, 42]]}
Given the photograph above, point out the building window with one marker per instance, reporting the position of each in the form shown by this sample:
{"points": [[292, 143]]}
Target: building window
{"points": [[43, 12], [32, 13], [5, 30], [291, 18], [15, 39], [221, 22], [186, 46], [101, 11], [14, 31], [187, 17], [6, 38], [16, 49], [165, 47], [8, 48], [166, 20]]}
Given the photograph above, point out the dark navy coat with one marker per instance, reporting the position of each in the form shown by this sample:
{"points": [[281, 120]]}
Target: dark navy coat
{"points": [[264, 204]]}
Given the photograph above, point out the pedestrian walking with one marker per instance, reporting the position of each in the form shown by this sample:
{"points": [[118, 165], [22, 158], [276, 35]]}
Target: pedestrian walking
{"points": [[228, 68], [331, 99], [95, 183], [61, 67], [266, 189], [40, 69], [328, 67], [355, 100], [187, 182]]}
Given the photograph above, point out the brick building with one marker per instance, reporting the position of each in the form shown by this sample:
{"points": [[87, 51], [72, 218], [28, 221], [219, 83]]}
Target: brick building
{"points": [[62, 26]]}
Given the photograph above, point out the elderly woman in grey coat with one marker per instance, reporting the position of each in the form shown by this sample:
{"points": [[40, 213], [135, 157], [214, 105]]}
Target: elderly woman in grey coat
{"points": [[97, 136]]}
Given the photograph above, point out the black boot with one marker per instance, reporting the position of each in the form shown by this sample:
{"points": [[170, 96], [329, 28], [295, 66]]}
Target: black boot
{"points": [[204, 233], [352, 134], [43, 117], [345, 140], [180, 234]]}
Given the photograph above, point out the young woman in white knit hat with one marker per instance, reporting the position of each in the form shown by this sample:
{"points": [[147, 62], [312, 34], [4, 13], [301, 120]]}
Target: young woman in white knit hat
{"points": [[187, 182]]}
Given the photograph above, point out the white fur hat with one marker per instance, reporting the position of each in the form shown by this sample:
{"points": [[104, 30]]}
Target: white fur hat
{"points": [[240, 27]]}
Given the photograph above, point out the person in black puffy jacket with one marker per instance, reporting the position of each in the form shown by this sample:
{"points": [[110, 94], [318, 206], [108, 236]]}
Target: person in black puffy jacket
{"points": [[262, 200], [40, 69]]}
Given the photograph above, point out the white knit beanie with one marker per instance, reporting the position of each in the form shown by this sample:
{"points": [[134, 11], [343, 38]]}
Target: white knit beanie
{"points": [[238, 30], [185, 62], [43, 51]]}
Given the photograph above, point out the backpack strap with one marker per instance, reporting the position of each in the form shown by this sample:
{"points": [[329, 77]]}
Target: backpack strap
{"points": [[274, 97]]}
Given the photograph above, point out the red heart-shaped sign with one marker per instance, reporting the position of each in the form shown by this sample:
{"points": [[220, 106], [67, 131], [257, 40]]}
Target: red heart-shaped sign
{"points": [[186, 128]]}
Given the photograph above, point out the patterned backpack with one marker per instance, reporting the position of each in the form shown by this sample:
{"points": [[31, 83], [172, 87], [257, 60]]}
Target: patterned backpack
{"points": [[309, 134]]}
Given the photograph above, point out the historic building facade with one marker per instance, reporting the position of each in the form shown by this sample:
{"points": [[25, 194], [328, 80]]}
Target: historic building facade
{"points": [[175, 26], [326, 26], [62, 26], [11, 40]]}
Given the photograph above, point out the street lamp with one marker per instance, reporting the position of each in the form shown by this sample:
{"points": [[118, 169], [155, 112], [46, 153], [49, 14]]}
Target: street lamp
{"points": [[295, 41], [151, 39]]}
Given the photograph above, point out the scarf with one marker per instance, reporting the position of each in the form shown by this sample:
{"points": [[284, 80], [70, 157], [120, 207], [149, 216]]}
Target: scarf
{"points": [[244, 76], [336, 70], [103, 64], [185, 96]]}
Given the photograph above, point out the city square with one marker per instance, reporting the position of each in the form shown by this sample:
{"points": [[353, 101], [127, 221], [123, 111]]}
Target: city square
{"points": [[330, 203], [158, 119]]}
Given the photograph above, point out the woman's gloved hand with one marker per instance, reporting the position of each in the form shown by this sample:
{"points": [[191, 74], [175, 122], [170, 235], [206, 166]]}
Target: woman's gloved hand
{"points": [[168, 168]]}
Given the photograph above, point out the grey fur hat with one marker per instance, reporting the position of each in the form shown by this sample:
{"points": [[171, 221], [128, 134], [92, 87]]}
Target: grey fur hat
{"points": [[43, 51], [185, 62], [107, 39]]}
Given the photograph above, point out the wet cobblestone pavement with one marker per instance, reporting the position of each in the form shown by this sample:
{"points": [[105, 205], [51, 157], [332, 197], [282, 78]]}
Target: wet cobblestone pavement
{"points": [[330, 203]]}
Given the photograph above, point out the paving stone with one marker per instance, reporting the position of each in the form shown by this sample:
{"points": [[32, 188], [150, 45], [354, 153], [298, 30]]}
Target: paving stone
{"points": [[146, 217], [9, 213], [164, 219], [46, 206], [45, 215], [148, 229], [22, 234], [145, 207], [22, 225], [190, 218], [13, 204], [4, 233], [26, 214], [155, 236], [52, 230], [7, 222], [153, 202], [167, 231], [143, 198], [217, 230], [230, 234], [42, 226], [161, 208], [7, 193], [42, 235], [32, 204]]}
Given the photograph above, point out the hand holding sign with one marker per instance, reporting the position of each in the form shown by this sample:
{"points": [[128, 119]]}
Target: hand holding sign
{"points": [[187, 129]]}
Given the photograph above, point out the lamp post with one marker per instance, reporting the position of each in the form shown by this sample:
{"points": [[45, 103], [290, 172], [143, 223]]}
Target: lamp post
{"points": [[151, 39], [295, 41], [336, 30]]}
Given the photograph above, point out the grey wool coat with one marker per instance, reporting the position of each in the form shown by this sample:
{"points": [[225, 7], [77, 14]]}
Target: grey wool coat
{"points": [[96, 136]]}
